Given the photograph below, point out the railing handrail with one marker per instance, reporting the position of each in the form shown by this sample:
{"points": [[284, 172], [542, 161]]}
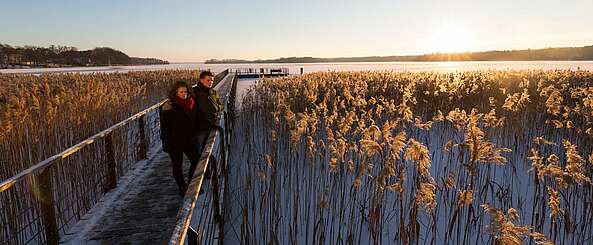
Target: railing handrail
{"points": [[193, 191], [6, 184]]}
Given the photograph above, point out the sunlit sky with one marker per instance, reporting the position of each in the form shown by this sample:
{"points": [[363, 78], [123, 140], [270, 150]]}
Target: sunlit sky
{"points": [[193, 31]]}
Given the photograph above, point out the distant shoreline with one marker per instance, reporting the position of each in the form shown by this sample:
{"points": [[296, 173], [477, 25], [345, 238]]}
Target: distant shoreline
{"points": [[396, 61], [32, 57], [114, 66], [548, 54]]}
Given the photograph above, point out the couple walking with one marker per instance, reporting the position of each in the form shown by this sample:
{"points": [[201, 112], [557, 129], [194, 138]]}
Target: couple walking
{"points": [[186, 121]]}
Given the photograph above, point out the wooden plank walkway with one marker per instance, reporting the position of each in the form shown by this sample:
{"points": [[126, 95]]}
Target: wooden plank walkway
{"points": [[141, 210]]}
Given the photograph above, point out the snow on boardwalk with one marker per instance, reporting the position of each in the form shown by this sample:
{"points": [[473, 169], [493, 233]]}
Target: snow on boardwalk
{"points": [[141, 210]]}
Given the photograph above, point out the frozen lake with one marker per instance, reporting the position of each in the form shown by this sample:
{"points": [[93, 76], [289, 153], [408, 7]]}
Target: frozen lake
{"points": [[357, 66]]}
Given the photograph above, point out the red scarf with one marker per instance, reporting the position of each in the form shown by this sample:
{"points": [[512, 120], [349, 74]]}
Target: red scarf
{"points": [[186, 104]]}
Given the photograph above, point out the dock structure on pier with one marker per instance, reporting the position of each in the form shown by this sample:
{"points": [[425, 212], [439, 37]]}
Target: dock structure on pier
{"points": [[131, 197], [260, 72]]}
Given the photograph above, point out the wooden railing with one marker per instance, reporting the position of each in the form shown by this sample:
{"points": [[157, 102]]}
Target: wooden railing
{"points": [[201, 217], [37, 204]]}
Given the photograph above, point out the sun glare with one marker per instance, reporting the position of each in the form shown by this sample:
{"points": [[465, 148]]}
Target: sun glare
{"points": [[452, 38]]}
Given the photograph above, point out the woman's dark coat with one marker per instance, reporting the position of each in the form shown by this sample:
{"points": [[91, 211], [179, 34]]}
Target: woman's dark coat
{"points": [[178, 128]]}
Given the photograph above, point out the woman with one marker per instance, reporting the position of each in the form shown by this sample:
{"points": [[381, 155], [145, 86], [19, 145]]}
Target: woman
{"points": [[178, 131]]}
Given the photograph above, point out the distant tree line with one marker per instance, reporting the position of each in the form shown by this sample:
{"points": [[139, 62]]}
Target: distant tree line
{"points": [[65, 56], [571, 53]]}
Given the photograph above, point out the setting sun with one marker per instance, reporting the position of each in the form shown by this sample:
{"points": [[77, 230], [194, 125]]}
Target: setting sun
{"points": [[452, 38]]}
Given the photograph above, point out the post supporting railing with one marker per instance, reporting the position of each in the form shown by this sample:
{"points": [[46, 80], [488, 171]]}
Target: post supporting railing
{"points": [[143, 144], [225, 140], [45, 196], [215, 193], [111, 176], [193, 237]]}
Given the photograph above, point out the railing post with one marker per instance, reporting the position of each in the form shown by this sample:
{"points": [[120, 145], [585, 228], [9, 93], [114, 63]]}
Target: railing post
{"points": [[110, 163], [225, 147], [45, 196], [143, 145], [223, 144], [215, 189], [193, 238]]}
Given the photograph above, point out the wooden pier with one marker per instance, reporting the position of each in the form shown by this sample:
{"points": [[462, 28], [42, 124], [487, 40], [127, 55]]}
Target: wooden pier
{"points": [[260, 72]]}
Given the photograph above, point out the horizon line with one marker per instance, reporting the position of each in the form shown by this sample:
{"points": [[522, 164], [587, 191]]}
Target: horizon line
{"points": [[391, 55]]}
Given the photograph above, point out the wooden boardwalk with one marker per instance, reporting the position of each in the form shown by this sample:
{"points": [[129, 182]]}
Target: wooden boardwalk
{"points": [[143, 208]]}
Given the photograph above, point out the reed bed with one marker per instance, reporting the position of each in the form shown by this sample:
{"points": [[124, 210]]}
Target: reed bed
{"points": [[481, 157], [42, 115]]}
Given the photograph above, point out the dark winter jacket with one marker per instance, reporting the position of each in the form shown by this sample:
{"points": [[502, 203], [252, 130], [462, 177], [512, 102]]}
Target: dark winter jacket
{"points": [[208, 106], [178, 128]]}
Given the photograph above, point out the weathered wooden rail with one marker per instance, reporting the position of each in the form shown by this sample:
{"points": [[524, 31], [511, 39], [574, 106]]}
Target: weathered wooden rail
{"points": [[41, 202]]}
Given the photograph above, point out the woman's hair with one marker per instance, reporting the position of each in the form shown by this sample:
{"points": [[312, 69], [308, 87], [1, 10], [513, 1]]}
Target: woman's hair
{"points": [[177, 85]]}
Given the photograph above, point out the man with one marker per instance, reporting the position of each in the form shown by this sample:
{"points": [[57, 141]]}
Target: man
{"points": [[208, 107], [209, 104]]}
